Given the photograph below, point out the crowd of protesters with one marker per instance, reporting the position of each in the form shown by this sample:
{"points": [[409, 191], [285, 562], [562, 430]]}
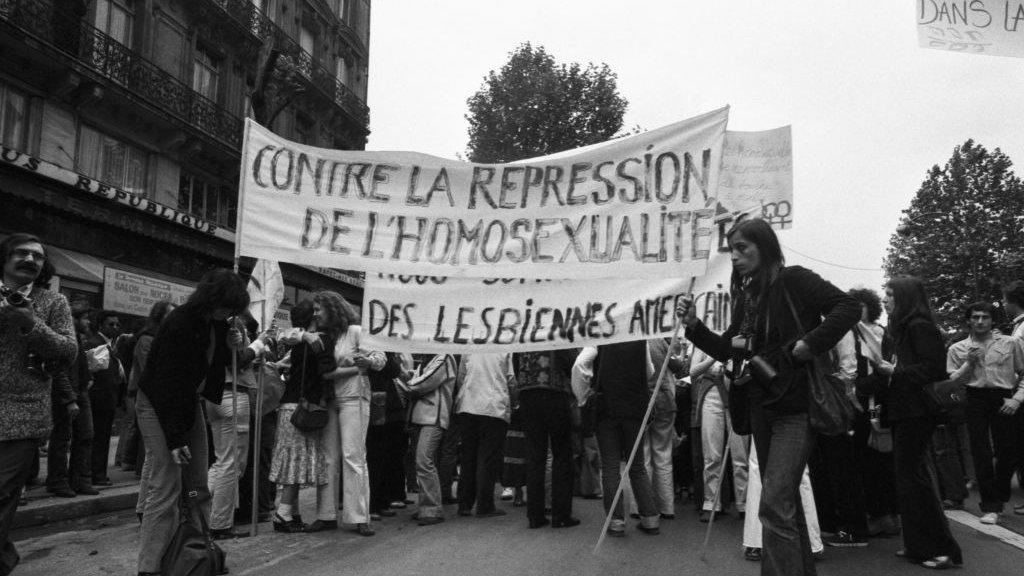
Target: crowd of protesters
{"points": [[730, 431]]}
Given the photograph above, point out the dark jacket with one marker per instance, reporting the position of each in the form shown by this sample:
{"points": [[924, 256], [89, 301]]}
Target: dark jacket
{"points": [[620, 380], [178, 364], [920, 360], [70, 384], [550, 371], [309, 363], [383, 380], [775, 332], [106, 383]]}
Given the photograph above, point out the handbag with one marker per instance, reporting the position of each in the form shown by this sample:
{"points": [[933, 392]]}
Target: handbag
{"points": [[947, 400], [192, 552], [880, 438], [308, 417], [829, 408]]}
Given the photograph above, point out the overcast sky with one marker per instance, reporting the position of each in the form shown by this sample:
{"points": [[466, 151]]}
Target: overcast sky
{"points": [[871, 111]]}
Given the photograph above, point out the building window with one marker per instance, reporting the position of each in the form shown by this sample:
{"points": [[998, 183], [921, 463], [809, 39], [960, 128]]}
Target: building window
{"points": [[307, 40], [211, 202], [305, 130], [14, 119], [341, 71], [111, 161], [205, 72], [114, 18]]}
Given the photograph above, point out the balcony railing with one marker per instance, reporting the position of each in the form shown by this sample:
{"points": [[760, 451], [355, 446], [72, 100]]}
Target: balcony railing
{"points": [[251, 18], [124, 67]]}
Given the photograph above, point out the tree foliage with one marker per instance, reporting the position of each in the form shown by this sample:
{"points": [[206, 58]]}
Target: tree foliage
{"points": [[962, 234], [534, 106]]}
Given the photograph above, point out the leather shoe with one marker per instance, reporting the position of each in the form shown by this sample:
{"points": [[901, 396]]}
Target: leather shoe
{"points": [[539, 523], [565, 522], [288, 526], [321, 525], [491, 513], [430, 520], [752, 554], [62, 491], [86, 490], [226, 534], [364, 530]]}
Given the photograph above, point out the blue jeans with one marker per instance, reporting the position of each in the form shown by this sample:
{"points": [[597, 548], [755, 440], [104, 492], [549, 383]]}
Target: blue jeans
{"points": [[784, 443]]}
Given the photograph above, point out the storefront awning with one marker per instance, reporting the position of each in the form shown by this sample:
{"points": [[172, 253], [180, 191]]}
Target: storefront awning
{"points": [[71, 264]]}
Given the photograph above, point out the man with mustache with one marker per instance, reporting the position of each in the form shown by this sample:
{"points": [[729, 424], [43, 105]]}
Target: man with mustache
{"points": [[36, 340]]}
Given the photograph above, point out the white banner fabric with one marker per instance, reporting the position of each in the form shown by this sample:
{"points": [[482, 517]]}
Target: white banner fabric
{"points": [[991, 27], [636, 207]]}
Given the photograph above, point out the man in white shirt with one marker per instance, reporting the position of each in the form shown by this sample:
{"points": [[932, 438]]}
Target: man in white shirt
{"points": [[1013, 305], [483, 410], [992, 366]]}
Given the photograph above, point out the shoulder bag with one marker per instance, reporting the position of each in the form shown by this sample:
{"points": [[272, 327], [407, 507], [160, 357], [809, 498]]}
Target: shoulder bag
{"points": [[947, 400], [308, 417], [829, 408], [192, 552]]}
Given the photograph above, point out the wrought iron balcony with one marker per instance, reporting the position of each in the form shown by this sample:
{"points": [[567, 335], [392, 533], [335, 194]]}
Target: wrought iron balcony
{"points": [[124, 67], [247, 16]]}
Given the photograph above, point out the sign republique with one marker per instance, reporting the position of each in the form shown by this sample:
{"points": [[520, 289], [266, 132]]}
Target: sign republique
{"points": [[635, 207]]}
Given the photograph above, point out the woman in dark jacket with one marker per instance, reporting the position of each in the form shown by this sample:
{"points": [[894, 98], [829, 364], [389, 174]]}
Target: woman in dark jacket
{"points": [[920, 361], [763, 324], [187, 361]]}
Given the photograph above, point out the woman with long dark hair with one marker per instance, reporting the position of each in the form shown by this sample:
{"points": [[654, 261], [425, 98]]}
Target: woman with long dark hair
{"points": [[764, 325], [348, 411], [298, 456], [920, 361], [188, 361]]}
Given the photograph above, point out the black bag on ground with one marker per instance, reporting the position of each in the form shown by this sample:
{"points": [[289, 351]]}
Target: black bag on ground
{"points": [[192, 552]]}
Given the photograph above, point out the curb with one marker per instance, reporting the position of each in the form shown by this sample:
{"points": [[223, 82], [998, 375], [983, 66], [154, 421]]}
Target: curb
{"points": [[54, 509]]}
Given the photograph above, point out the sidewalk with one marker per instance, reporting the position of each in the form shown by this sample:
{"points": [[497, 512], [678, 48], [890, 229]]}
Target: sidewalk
{"points": [[44, 508]]}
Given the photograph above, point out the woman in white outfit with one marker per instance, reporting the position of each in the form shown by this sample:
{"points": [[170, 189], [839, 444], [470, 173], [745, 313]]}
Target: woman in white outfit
{"points": [[752, 525], [344, 437]]}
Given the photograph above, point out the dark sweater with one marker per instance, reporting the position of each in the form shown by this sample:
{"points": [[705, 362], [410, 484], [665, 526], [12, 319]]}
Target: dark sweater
{"points": [[309, 363], [177, 365], [776, 331], [620, 376], [921, 360]]}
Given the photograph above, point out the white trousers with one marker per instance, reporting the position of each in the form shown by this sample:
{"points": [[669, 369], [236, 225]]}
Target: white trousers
{"points": [[344, 438], [231, 456], [714, 425], [752, 525]]}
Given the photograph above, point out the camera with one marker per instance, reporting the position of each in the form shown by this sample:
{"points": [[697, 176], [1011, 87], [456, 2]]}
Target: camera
{"points": [[764, 373], [15, 298]]}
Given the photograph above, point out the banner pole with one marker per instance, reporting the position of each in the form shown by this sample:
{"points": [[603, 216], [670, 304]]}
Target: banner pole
{"points": [[643, 423], [257, 432], [241, 193]]}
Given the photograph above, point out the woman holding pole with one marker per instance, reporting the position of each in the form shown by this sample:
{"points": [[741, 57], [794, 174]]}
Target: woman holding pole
{"points": [[766, 328]]}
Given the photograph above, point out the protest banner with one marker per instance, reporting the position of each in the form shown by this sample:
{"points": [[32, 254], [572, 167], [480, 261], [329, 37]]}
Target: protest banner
{"points": [[459, 315], [757, 175], [637, 207], [992, 27]]}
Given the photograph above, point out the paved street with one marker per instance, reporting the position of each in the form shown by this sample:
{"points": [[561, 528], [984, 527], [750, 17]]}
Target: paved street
{"points": [[103, 545]]}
